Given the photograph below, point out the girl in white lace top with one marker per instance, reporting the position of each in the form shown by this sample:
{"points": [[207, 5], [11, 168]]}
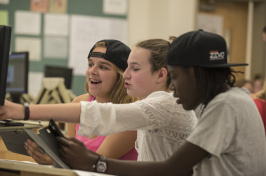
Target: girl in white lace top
{"points": [[162, 124]]}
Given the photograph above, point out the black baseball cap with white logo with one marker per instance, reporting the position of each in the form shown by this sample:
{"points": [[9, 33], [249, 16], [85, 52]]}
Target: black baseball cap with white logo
{"points": [[116, 52], [199, 48]]}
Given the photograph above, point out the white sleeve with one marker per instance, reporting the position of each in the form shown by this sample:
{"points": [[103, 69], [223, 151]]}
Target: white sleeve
{"points": [[107, 118], [158, 111]]}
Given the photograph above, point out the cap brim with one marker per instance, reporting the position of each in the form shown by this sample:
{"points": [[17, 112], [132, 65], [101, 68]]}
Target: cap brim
{"points": [[223, 65]]}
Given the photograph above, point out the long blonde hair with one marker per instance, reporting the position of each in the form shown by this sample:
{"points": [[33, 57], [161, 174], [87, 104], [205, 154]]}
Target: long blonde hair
{"points": [[119, 93]]}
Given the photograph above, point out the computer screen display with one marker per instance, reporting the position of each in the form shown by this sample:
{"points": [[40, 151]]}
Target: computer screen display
{"points": [[17, 76], [62, 72], [5, 36]]}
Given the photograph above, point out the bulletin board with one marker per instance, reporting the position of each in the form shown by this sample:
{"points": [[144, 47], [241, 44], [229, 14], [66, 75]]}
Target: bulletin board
{"points": [[81, 15]]}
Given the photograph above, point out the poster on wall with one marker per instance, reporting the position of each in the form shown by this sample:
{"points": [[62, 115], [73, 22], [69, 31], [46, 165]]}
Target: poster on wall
{"points": [[4, 2], [27, 23], [3, 17], [210, 23], [55, 47], [115, 7], [39, 5], [58, 6], [85, 31], [56, 24], [31, 44]]}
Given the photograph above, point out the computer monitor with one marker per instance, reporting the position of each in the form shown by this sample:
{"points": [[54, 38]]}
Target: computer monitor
{"points": [[17, 77], [5, 36], [62, 72]]}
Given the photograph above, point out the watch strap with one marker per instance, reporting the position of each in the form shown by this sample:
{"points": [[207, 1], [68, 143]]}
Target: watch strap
{"points": [[27, 111], [101, 165], [94, 165]]}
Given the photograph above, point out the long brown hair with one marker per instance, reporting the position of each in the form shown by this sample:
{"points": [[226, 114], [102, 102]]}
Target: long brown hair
{"points": [[158, 48]]}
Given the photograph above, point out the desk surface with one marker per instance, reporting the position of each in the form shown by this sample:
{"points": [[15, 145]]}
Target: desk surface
{"points": [[18, 168], [36, 169]]}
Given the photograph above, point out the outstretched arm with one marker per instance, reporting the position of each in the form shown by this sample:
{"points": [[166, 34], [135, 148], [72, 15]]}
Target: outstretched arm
{"points": [[68, 112], [75, 154]]}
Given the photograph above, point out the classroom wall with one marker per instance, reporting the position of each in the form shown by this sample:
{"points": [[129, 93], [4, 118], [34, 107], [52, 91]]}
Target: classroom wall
{"points": [[258, 55], [160, 18], [146, 19]]}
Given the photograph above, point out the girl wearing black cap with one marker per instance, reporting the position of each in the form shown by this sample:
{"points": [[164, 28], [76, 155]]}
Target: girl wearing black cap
{"points": [[162, 124], [104, 84]]}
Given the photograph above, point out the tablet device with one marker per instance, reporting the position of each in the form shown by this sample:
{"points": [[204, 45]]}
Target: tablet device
{"points": [[10, 123], [15, 137], [54, 128]]}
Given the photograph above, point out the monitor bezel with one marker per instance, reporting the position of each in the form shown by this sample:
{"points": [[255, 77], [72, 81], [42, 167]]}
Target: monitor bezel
{"points": [[5, 40], [68, 71], [15, 95]]}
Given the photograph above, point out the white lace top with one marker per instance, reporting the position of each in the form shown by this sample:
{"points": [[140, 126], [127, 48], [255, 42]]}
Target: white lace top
{"points": [[162, 124]]}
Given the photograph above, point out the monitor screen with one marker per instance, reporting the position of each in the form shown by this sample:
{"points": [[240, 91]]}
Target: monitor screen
{"points": [[17, 77], [62, 72], [5, 35]]}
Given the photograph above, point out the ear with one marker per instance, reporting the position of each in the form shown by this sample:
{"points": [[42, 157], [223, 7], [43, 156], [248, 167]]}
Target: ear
{"points": [[162, 75]]}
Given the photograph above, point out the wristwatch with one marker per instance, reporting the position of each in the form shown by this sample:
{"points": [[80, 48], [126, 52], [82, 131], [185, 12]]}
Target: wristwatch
{"points": [[27, 111], [101, 165]]}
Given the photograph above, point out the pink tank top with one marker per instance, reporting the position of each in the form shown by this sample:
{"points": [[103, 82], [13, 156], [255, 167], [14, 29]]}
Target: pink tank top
{"points": [[95, 143]]}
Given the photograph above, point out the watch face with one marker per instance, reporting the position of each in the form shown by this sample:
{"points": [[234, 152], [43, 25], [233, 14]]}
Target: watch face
{"points": [[101, 167]]}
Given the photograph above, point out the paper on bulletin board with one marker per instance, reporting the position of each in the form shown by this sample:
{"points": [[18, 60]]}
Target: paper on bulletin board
{"points": [[33, 45], [35, 83], [210, 23], [39, 5], [28, 23], [115, 7], [58, 6], [86, 31], [55, 47], [56, 24], [3, 17], [4, 2]]}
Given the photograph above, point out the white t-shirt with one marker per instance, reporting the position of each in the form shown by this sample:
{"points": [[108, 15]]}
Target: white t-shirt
{"points": [[162, 124], [231, 130]]}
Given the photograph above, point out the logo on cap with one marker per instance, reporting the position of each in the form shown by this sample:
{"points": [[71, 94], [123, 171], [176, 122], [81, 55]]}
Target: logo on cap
{"points": [[216, 55]]}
